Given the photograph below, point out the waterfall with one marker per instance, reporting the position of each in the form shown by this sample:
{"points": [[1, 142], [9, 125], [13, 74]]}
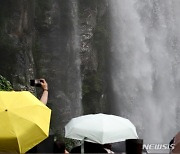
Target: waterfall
{"points": [[59, 61], [145, 66], [77, 108], [72, 93]]}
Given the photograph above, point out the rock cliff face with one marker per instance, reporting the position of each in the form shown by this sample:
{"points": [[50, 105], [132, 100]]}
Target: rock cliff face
{"points": [[94, 48], [64, 41], [16, 60]]}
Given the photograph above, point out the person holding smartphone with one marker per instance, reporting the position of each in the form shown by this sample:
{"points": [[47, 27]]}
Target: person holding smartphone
{"points": [[44, 86], [48, 145]]}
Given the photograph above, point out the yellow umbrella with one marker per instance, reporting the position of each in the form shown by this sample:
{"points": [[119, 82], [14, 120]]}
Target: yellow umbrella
{"points": [[24, 121]]}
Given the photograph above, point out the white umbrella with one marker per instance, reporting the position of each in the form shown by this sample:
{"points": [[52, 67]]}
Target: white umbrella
{"points": [[100, 128]]}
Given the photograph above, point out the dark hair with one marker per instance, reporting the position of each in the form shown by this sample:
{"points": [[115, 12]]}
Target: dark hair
{"points": [[59, 147], [171, 143], [108, 146]]}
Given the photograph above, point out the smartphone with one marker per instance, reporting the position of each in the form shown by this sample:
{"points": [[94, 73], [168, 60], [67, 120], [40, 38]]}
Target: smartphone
{"points": [[36, 82]]}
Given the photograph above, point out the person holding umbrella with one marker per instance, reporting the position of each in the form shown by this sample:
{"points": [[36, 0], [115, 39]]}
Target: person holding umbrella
{"points": [[89, 147], [24, 120], [95, 130], [47, 145], [44, 99]]}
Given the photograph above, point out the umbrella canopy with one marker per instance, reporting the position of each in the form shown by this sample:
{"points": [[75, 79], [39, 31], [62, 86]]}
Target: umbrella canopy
{"points": [[24, 121], [100, 128]]}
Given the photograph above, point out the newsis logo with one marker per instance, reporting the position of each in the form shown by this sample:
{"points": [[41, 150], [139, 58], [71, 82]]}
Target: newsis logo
{"points": [[158, 146]]}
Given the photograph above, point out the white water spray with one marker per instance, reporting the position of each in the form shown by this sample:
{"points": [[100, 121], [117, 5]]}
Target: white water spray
{"points": [[145, 65]]}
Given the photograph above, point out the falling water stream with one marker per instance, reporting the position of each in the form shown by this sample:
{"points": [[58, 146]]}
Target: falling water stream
{"points": [[145, 66], [60, 43]]}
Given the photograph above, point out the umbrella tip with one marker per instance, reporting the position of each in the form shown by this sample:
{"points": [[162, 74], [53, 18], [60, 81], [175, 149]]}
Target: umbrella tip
{"points": [[6, 110]]}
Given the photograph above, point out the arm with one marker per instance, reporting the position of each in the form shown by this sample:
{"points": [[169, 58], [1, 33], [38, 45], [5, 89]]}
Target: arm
{"points": [[44, 86]]}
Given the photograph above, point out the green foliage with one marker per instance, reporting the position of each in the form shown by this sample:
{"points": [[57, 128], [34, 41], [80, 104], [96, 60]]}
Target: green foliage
{"points": [[92, 83], [5, 85], [91, 91], [70, 143]]}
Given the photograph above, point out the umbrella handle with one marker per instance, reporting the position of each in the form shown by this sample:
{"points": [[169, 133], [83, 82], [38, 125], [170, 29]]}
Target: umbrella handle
{"points": [[82, 146]]}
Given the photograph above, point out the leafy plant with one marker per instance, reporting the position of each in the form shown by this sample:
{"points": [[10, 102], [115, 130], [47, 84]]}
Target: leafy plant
{"points": [[5, 85]]}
